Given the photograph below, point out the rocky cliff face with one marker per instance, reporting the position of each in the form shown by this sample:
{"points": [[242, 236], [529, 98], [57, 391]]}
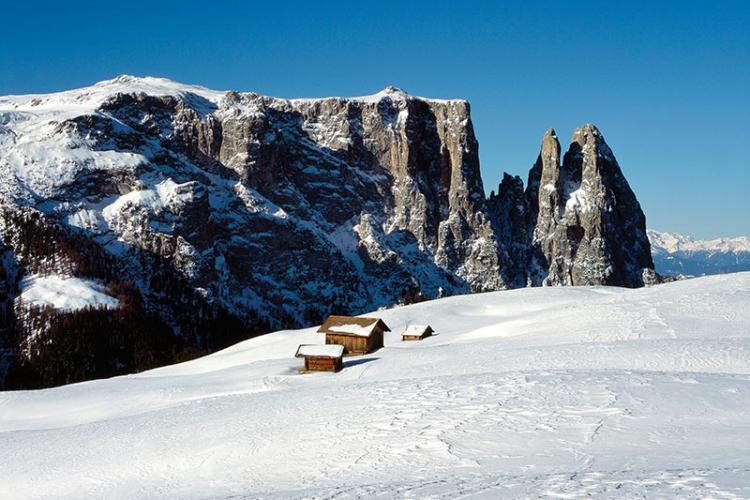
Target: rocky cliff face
{"points": [[283, 211], [588, 227]]}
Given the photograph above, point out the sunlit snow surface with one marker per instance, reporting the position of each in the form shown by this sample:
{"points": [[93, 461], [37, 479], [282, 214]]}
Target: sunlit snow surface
{"points": [[552, 392], [65, 293]]}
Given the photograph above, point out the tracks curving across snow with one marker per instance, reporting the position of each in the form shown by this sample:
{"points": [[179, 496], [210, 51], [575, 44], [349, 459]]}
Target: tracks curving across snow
{"points": [[556, 393]]}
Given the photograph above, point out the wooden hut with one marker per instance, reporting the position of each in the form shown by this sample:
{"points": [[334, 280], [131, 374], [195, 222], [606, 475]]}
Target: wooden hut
{"points": [[321, 358], [417, 332], [357, 335]]}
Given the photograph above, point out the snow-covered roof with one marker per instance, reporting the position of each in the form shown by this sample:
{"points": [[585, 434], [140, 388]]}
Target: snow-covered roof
{"points": [[348, 325], [323, 351], [352, 329], [417, 330]]}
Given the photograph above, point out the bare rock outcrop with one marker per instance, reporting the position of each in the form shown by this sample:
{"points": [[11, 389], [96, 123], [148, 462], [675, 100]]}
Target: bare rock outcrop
{"points": [[588, 227]]}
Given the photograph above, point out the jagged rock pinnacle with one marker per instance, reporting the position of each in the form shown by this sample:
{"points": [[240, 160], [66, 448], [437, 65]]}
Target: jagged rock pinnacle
{"points": [[588, 227]]}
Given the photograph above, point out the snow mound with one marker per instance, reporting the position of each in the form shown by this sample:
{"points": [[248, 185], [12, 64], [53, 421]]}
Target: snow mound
{"points": [[64, 293], [540, 392]]}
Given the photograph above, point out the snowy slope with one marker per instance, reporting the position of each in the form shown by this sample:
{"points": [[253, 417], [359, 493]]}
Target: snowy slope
{"points": [[560, 392], [67, 293], [40, 155], [677, 254]]}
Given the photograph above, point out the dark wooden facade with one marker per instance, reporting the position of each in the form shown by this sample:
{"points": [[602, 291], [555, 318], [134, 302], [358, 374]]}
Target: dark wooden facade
{"points": [[355, 345], [323, 364], [320, 358], [366, 334]]}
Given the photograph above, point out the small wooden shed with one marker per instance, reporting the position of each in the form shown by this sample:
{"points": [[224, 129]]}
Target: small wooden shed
{"points": [[357, 335], [417, 332], [321, 358]]}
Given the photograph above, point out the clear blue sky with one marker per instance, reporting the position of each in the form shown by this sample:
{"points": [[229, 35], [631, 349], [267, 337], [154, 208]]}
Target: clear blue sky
{"points": [[668, 83]]}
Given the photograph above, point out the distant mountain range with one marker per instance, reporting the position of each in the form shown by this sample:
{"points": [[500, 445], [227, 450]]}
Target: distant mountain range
{"points": [[677, 254]]}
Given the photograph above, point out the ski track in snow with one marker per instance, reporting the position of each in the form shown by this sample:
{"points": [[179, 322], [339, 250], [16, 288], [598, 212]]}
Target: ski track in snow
{"points": [[555, 393]]}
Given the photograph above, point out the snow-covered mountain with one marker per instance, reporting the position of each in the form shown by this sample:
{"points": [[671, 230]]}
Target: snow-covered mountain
{"points": [[677, 254], [551, 392], [211, 216]]}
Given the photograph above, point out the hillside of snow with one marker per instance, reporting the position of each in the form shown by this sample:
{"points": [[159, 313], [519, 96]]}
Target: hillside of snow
{"points": [[555, 392], [63, 292], [677, 254]]}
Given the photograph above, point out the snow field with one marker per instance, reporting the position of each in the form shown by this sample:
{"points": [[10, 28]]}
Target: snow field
{"points": [[554, 392], [64, 293]]}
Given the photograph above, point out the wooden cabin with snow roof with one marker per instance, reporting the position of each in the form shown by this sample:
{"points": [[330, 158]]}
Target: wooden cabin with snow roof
{"points": [[357, 335], [417, 332], [321, 358]]}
